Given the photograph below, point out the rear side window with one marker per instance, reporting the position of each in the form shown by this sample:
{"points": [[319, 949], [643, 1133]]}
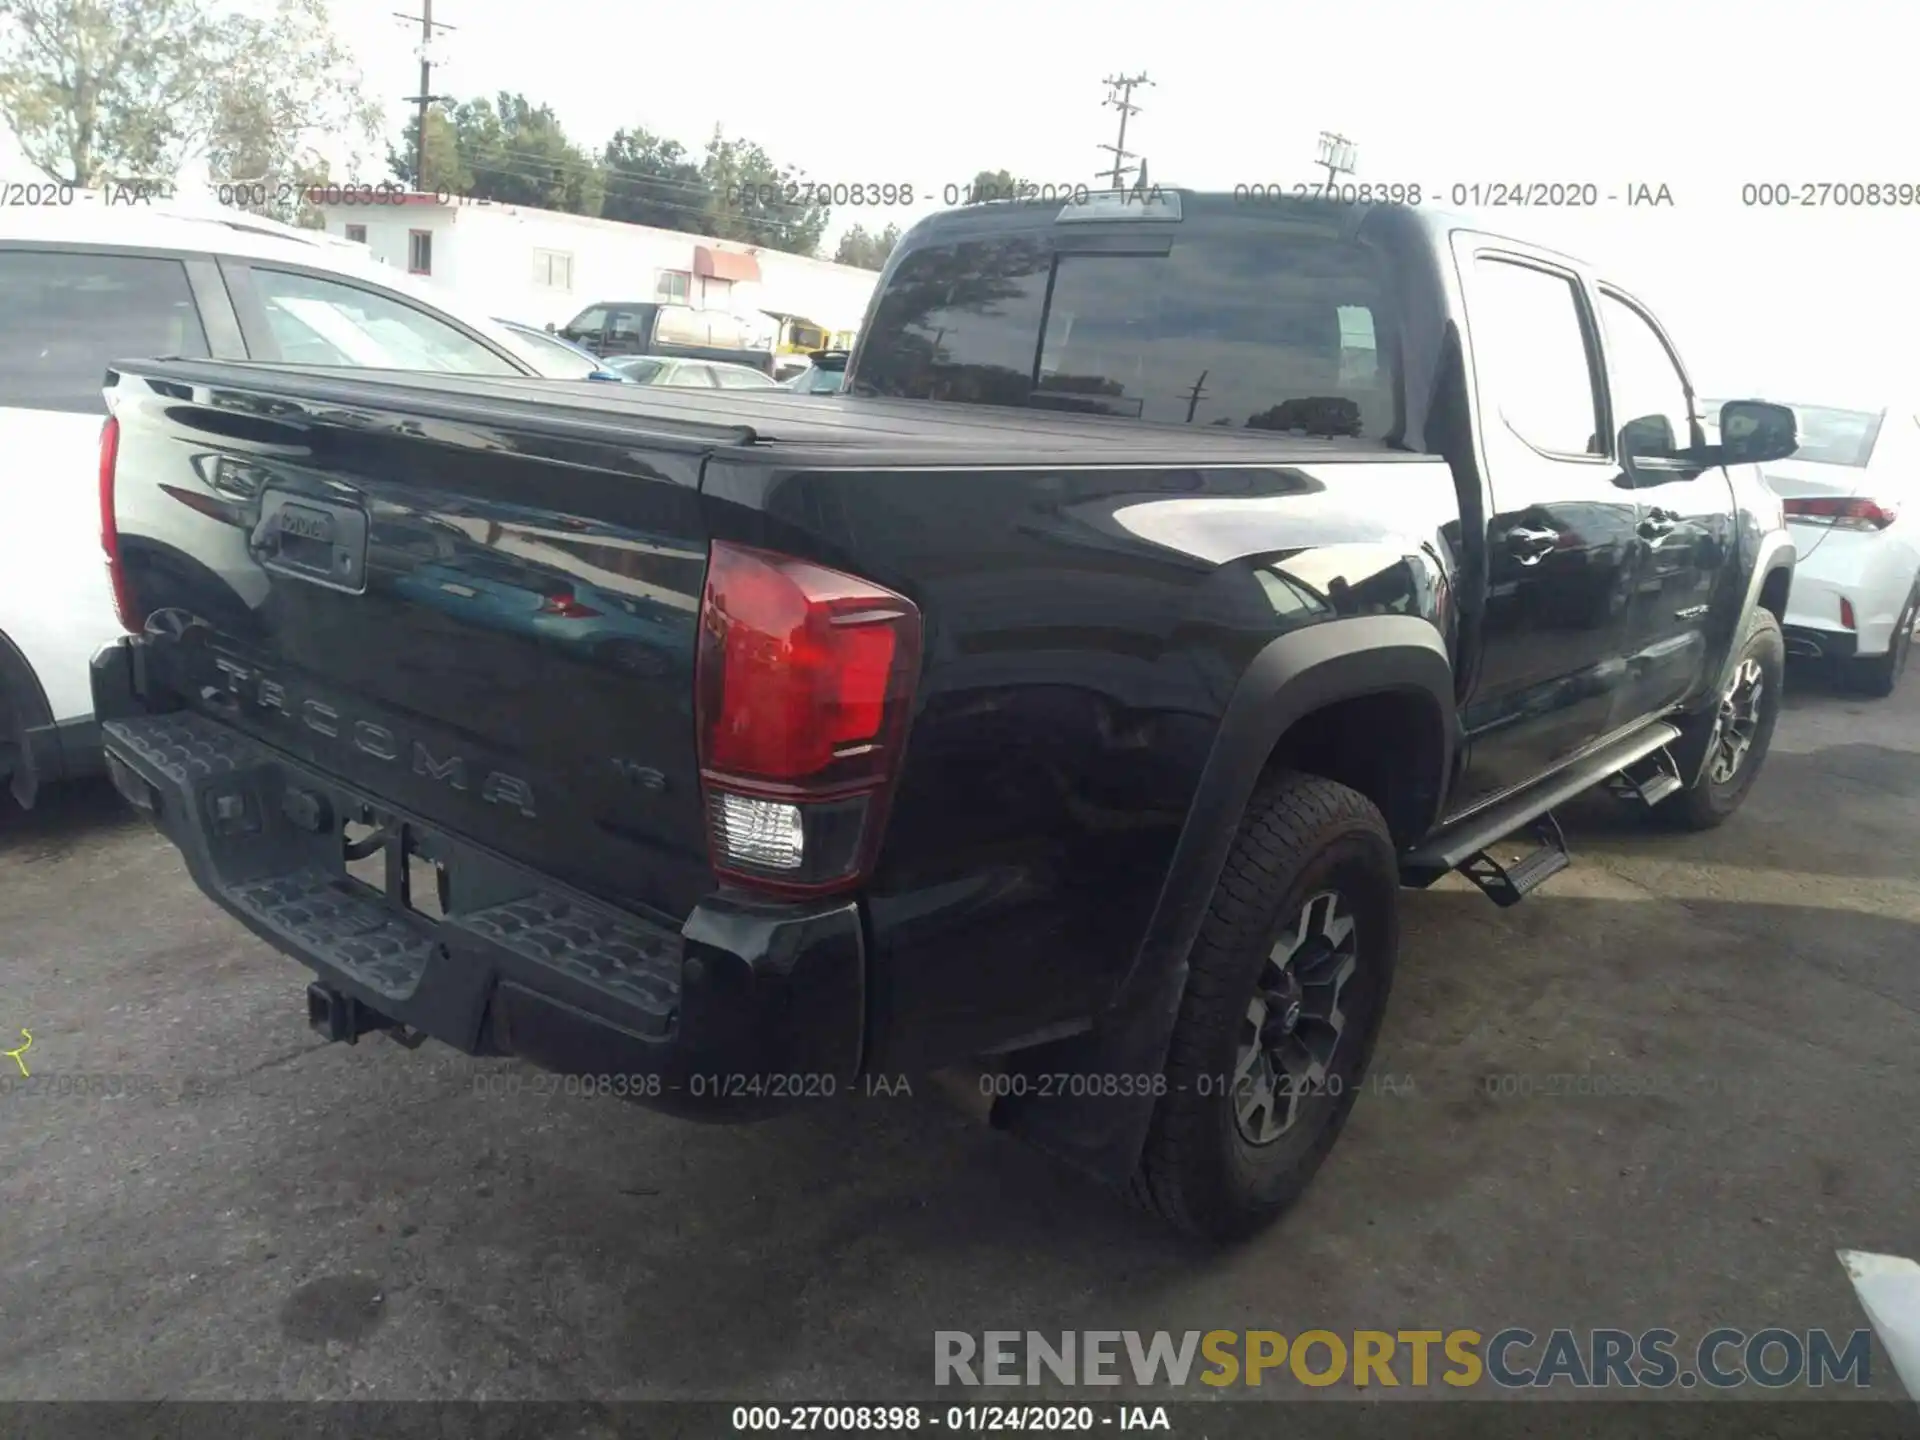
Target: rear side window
{"points": [[324, 322], [1273, 328], [65, 317], [631, 326]]}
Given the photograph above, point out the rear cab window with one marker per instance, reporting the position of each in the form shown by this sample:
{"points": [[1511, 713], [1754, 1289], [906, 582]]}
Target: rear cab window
{"points": [[1272, 325], [65, 316]]}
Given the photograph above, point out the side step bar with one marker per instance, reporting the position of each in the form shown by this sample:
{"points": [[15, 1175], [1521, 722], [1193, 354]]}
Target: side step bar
{"points": [[1507, 884], [1465, 844], [1650, 780]]}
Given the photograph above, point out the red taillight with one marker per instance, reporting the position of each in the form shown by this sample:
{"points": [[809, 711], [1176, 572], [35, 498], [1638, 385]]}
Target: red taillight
{"points": [[805, 677], [1843, 512], [566, 607], [1846, 613], [110, 527]]}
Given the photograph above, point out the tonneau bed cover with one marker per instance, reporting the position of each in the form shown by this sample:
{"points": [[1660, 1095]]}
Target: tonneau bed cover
{"points": [[904, 432]]}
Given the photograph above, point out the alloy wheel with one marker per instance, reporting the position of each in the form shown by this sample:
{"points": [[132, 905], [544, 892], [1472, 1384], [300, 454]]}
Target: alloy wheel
{"points": [[1295, 1023], [1738, 722]]}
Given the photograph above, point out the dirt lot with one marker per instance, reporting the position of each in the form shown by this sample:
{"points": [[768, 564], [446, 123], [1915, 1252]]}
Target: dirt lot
{"points": [[277, 1217]]}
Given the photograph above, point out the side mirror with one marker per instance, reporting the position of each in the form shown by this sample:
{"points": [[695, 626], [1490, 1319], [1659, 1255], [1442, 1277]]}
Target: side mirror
{"points": [[1649, 451], [1650, 437], [1753, 432]]}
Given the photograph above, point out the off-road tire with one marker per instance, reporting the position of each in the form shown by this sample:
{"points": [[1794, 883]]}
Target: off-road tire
{"points": [[1301, 836], [1706, 802], [1879, 675]]}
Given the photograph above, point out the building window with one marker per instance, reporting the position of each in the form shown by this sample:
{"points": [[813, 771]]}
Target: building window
{"points": [[553, 269], [420, 252], [357, 234], [672, 287]]}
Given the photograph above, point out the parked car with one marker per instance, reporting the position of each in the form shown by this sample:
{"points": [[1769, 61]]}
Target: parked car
{"points": [[689, 374], [825, 376], [558, 359], [612, 328], [87, 284], [1850, 494], [1092, 748]]}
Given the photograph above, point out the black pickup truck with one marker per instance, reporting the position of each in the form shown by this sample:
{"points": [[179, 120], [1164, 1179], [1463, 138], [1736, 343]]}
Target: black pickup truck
{"points": [[1178, 580]]}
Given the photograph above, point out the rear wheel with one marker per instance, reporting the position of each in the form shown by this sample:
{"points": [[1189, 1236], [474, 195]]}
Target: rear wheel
{"points": [[1286, 988], [1740, 730], [1879, 675]]}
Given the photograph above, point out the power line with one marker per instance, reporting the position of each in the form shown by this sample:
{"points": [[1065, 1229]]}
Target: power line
{"points": [[1120, 97]]}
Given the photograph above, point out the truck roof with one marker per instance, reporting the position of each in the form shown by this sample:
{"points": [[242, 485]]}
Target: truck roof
{"points": [[821, 429]]}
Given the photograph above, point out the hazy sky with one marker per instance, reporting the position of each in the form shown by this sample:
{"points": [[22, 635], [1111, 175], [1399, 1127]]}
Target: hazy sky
{"points": [[1701, 97]]}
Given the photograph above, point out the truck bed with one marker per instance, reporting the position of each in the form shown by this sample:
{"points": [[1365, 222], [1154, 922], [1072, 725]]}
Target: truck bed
{"points": [[477, 605], [803, 428]]}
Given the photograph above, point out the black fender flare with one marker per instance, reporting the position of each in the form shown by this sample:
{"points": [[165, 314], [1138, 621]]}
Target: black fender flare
{"points": [[1774, 555], [1293, 676]]}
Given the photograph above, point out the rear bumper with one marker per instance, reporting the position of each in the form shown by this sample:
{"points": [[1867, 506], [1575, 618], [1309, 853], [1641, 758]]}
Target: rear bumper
{"points": [[1872, 573], [743, 1009], [1812, 642]]}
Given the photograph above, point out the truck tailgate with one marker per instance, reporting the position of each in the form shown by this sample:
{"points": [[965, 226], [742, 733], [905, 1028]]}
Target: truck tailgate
{"points": [[493, 629]]}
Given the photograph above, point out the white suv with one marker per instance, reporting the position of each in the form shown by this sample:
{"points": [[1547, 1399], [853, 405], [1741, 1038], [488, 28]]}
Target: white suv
{"points": [[87, 284]]}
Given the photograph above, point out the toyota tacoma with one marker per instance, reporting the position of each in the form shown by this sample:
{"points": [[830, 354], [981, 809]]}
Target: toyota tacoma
{"points": [[1177, 579]]}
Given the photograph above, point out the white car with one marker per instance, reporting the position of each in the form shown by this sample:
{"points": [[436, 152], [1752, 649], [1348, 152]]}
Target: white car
{"points": [[680, 373], [1852, 499], [87, 284]]}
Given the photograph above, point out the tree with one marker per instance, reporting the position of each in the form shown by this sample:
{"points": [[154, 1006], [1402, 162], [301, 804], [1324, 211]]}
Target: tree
{"points": [[286, 86], [97, 90], [103, 90], [446, 167], [865, 248], [748, 199], [993, 185], [651, 180], [518, 153]]}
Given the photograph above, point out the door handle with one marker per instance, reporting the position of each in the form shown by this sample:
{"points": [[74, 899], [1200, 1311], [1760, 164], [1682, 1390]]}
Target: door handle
{"points": [[1529, 545], [1656, 524]]}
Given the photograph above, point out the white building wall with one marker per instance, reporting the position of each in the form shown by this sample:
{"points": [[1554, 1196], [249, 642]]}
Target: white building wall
{"points": [[388, 229], [487, 253]]}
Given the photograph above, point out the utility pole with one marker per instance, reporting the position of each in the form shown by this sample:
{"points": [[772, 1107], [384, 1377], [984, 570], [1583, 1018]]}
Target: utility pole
{"points": [[1339, 155], [426, 96], [1196, 395], [1120, 97]]}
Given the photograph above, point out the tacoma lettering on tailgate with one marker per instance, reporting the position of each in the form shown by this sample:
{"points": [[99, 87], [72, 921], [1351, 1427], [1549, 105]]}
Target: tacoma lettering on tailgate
{"points": [[378, 741]]}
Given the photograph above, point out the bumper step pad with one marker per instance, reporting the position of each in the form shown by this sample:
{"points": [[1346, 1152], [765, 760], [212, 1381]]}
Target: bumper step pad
{"points": [[588, 943], [290, 883], [356, 932]]}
